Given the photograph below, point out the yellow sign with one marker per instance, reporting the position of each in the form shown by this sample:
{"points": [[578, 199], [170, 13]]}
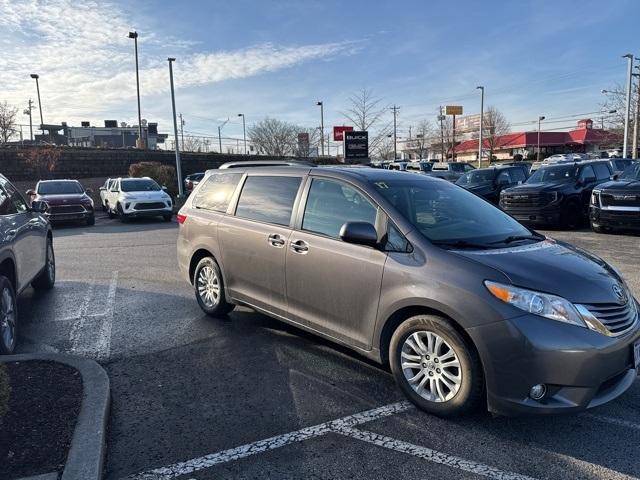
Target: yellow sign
{"points": [[453, 109]]}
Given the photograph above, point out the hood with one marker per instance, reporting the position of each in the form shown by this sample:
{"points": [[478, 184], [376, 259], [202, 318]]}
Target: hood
{"points": [[627, 185], [65, 198], [540, 187], [155, 195], [553, 267]]}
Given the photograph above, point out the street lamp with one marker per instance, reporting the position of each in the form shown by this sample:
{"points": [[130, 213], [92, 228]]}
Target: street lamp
{"points": [[540, 118], [35, 76], [321, 105], [175, 127], [481, 88], [244, 132], [220, 133], [134, 35], [627, 112]]}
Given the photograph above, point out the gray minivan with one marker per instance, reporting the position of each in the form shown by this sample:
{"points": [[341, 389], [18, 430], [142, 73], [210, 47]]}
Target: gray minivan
{"points": [[461, 301]]}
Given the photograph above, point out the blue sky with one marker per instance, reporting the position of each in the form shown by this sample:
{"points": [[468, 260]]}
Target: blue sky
{"points": [[277, 58]]}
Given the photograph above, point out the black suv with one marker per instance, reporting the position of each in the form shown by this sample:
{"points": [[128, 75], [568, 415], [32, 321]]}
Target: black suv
{"points": [[556, 194], [617, 203], [489, 182]]}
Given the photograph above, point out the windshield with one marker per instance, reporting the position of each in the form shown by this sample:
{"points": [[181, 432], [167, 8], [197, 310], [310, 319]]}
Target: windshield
{"points": [[476, 177], [445, 213], [59, 188], [139, 185], [458, 167], [632, 172], [553, 174]]}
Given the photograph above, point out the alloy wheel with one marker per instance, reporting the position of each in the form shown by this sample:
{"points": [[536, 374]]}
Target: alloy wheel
{"points": [[7, 319], [431, 366], [208, 286]]}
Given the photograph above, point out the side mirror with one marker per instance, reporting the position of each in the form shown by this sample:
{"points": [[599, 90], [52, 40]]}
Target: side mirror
{"points": [[39, 206], [164, 187], [615, 176], [31, 193], [102, 189], [88, 190], [360, 233]]}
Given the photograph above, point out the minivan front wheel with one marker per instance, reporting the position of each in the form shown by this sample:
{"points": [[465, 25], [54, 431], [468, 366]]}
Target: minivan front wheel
{"points": [[209, 288], [8, 317], [435, 367]]}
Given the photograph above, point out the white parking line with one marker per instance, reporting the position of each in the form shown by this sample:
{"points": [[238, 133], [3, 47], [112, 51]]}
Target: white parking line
{"points": [[613, 421], [196, 464], [103, 340], [430, 455], [77, 328]]}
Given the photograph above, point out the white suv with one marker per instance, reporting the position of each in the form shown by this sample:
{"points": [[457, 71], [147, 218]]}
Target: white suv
{"points": [[138, 197]]}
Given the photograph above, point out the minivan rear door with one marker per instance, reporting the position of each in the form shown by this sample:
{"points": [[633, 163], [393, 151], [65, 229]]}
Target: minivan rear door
{"points": [[334, 286], [254, 240]]}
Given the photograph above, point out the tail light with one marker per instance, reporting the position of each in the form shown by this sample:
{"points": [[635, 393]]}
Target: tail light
{"points": [[181, 218]]}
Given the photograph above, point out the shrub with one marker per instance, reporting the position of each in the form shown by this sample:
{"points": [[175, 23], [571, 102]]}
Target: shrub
{"points": [[163, 174], [517, 157], [5, 391], [43, 160]]}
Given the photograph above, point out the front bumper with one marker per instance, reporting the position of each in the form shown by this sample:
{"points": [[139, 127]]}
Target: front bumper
{"points": [[629, 219], [581, 368], [536, 216], [54, 216], [135, 208]]}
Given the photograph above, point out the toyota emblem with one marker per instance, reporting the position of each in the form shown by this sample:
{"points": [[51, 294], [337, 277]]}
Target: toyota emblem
{"points": [[619, 293]]}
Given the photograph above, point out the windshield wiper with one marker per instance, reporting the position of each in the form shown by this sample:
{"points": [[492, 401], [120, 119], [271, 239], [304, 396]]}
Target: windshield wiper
{"points": [[461, 244], [516, 238]]}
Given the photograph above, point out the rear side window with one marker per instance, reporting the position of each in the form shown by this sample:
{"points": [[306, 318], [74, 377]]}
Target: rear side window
{"points": [[587, 172], [6, 205], [268, 199], [331, 204], [602, 171], [216, 192]]}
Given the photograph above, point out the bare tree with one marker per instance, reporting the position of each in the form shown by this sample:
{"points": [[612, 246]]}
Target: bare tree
{"points": [[383, 150], [42, 160], [192, 144], [311, 148], [615, 98], [367, 113], [424, 135], [274, 137], [7, 121], [495, 125]]}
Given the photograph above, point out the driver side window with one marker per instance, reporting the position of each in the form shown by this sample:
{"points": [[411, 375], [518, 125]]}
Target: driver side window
{"points": [[587, 172]]}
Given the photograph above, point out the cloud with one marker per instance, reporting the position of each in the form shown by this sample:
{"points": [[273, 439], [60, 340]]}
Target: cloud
{"points": [[85, 60]]}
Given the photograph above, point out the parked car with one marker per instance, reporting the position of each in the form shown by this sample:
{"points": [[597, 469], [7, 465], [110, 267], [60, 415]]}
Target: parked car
{"points": [[616, 204], [465, 304], [138, 197], [487, 183], [190, 181], [26, 256], [451, 171], [401, 166], [525, 166], [68, 200], [556, 194], [421, 166], [103, 192], [619, 165]]}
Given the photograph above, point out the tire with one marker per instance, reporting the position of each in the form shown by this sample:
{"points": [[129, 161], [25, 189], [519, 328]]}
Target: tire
{"points": [[104, 207], [91, 220], [457, 388], [110, 212], [121, 215], [8, 317], [214, 306], [167, 218], [47, 278], [597, 228]]}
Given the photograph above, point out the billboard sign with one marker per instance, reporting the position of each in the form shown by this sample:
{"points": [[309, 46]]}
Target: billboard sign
{"points": [[338, 132], [453, 109], [356, 145]]}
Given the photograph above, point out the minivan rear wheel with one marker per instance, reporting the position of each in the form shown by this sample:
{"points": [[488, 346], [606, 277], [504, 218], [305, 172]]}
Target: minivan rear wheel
{"points": [[435, 367], [8, 317], [209, 288]]}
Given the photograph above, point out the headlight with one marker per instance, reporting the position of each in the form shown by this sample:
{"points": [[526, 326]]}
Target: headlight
{"points": [[543, 304], [554, 196], [595, 197]]}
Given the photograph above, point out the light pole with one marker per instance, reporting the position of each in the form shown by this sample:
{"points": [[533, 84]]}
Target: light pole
{"points": [[321, 105], [636, 114], [134, 35], [540, 118], [441, 118], [627, 111], [481, 88], [175, 127], [244, 132], [395, 131], [35, 76], [220, 133], [28, 112]]}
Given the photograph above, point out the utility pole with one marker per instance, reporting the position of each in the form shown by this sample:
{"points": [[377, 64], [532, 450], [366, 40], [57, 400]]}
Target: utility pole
{"points": [[244, 132], [441, 117], [220, 133], [395, 131], [175, 127], [321, 105], [453, 139], [182, 132], [636, 114], [481, 88], [36, 77], [134, 35], [540, 118], [625, 148], [28, 112]]}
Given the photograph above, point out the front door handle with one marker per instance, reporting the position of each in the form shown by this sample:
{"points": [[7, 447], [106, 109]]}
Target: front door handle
{"points": [[300, 246], [276, 240]]}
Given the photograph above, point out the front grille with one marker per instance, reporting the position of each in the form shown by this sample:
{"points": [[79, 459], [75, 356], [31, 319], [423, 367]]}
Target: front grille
{"points": [[620, 200], [64, 209], [149, 206], [615, 317], [524, 200]]}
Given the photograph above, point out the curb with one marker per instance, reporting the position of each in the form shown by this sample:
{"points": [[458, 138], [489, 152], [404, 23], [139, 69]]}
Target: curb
{"points": [[85, 460]]}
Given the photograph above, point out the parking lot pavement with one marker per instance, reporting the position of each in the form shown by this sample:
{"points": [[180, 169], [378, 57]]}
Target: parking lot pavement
{"points": [[249, 397]]}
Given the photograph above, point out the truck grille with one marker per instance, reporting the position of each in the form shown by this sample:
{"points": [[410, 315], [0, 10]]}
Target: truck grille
{"points": [[149, 206], [524, 200], [620, 200], [615, 317], [64, 209]]}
